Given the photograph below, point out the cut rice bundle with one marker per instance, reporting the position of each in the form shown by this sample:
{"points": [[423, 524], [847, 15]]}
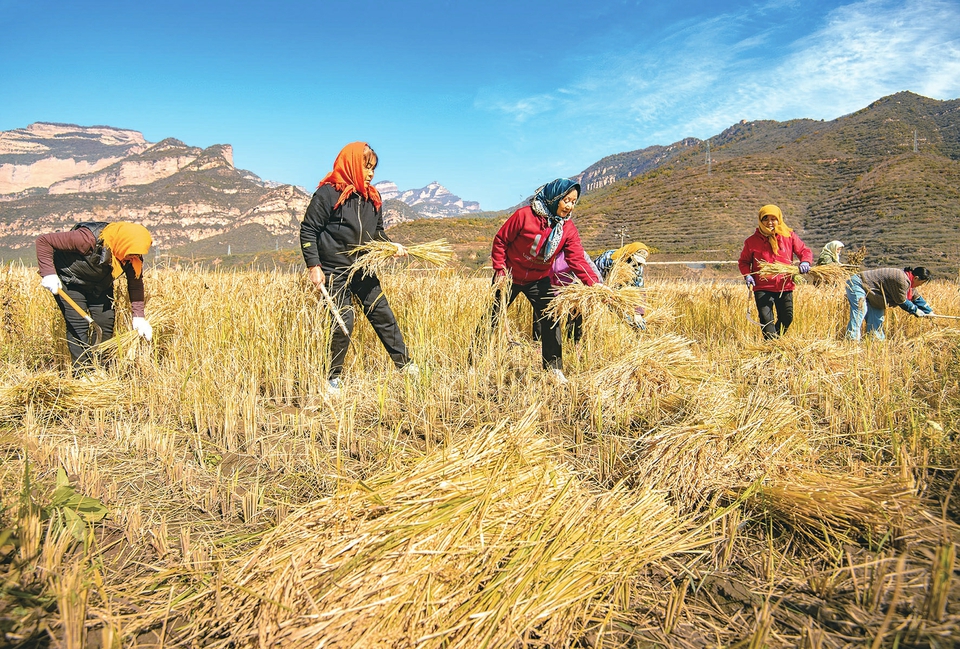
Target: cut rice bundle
{"points": [[482, 544], [576, 299], [378, 256], [50, 392], [827, 274]]}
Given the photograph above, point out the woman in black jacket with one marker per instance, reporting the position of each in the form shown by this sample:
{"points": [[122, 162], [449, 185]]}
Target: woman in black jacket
{"points": [[345, 212]]}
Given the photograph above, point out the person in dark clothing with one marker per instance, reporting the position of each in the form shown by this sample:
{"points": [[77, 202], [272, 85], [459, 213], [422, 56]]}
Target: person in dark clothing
{"points": [[773, 242], [345, 212], [83, 263], [526, 245], [872, 291]]}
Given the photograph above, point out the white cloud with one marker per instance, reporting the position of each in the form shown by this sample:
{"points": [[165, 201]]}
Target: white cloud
{"points": [[704, 76]]}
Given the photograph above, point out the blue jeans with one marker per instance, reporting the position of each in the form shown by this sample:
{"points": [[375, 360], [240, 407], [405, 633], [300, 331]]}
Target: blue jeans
{"points": [[860, 309]]}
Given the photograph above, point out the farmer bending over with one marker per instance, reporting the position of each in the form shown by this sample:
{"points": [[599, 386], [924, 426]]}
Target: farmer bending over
{"points": [[83, 263], [872, 291]]}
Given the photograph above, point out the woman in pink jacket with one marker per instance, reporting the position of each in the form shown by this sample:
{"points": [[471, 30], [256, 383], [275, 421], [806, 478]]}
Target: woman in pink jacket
{"points": [[526, 246], [773, 242]]}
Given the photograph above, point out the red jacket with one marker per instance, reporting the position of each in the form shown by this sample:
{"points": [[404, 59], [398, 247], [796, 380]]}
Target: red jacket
{"points": [[518, 247], [756, 249]]}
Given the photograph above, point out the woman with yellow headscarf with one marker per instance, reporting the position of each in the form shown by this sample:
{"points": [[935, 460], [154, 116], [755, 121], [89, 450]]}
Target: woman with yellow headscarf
{"points": [[82, 263], [773, 242]]}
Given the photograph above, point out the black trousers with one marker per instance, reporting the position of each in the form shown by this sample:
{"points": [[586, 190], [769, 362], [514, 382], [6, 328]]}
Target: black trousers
{"points": [[99, 304], [539, 294], [767, 301], [375, 307]]}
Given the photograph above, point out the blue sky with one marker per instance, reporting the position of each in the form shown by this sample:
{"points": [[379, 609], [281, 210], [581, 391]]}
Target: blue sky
{"points": [[489, 98]]}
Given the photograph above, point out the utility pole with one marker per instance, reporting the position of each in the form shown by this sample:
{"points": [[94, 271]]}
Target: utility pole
{"points": [[709, 161], [622, 233], [914, 140], [228, 248]]}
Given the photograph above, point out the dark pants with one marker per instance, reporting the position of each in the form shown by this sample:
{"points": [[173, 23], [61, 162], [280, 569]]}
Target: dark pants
{"points": [[539, 294], [574, 328], [375, 307], [767, 301], [100, 307]]}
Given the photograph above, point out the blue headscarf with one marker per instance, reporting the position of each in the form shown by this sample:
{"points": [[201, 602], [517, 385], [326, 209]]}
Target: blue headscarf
{"points": [[545, 202]]}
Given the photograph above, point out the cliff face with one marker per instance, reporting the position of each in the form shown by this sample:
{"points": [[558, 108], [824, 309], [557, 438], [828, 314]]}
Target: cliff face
{"points": [[43, 154], [68, 174]]}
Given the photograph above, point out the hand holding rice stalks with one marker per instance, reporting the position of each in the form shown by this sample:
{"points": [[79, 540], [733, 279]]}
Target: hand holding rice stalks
{"points": [[828, 274], [377, 256], [575, 299]]}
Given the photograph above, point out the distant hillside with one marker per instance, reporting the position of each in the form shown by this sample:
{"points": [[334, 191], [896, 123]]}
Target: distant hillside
{"points": [[855, 178]]}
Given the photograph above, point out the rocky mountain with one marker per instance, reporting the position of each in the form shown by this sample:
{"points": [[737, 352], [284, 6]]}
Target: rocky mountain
{"points": [[56, 175], [886, 177], [432, 202], [41, 154]]}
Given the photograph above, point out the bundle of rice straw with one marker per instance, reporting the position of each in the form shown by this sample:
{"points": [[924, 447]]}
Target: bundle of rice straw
{"points": [[827, 274], [813, 501], [621, 273], [577, 298], [49, 392], [483, 544], [856, 257], [377, 256]]}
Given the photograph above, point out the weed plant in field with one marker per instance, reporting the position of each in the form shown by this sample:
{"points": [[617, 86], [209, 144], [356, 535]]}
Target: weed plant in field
{"points": [[692, 485]]}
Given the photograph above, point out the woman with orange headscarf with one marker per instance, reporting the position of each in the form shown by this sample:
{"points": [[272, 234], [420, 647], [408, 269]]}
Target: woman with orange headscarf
{"points": [[773, 242], [345, 212], [82, 263]]}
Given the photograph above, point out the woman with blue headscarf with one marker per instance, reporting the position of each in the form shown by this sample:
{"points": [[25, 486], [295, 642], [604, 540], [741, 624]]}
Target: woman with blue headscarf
{"points": [[526, 245]]}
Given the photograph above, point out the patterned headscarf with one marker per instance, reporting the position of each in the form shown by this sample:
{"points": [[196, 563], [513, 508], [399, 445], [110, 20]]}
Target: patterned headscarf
{"points": [[545, 202], [771, 233], [127, 240], [347, 175]]}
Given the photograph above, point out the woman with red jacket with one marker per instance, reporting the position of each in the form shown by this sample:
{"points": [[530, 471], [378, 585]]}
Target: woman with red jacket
{"points": [[525, 246], [773, 242]]}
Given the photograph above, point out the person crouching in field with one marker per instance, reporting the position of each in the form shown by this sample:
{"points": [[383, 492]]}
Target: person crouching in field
{"points": [[872, 291], [345, 212], [635, 256], [525, 246], [773, 242], [82, 263]]}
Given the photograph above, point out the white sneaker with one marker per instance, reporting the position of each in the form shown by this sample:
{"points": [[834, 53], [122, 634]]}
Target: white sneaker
{"points": [[557, 375], [411, 369], [335, 386]]}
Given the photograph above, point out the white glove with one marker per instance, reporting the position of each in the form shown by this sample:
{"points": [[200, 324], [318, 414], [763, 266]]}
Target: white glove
{"points": [[920, 314], [52, 283], [142, 327]]}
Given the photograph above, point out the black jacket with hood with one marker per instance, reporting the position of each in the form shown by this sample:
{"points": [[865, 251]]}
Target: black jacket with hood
{"points": [[326, 234]]}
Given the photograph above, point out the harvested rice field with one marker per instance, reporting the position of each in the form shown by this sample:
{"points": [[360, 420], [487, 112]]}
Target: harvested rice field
{"points": [[690, 486]]}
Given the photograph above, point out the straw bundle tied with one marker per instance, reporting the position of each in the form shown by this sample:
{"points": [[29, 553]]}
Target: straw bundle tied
{"points": [[577, 298], [378, 256], [827, 274], [479, 545], [50, 392]]}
